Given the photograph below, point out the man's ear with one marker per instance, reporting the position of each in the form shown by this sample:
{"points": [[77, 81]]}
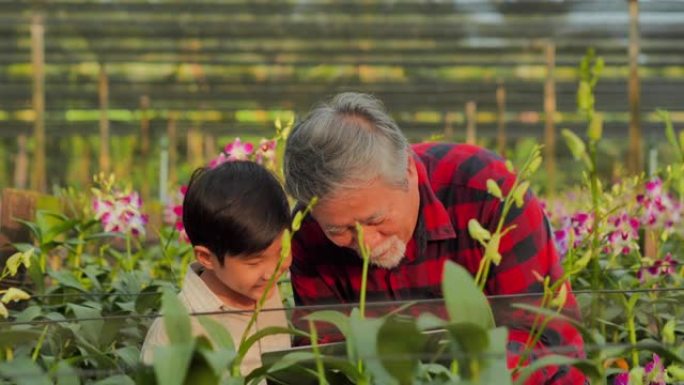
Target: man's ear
{"points": [[411, 171], [205, 257]]}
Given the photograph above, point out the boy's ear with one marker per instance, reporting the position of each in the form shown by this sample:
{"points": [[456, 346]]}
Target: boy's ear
{"points": [[205, 257]]}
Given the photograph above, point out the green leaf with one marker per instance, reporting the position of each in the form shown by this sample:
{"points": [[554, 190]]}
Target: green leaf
{"points": [[398, 340], [66, 278], [340, 320], [364, 337], [90, 330], [218, 360], [12, 337], [23, 371], [130, 355], [495, 367], [587, 367], [465, 302], [171, 363], [217, 333], [66, 375], [119, 379], [472, 338], [176, 319], [265, 332]]}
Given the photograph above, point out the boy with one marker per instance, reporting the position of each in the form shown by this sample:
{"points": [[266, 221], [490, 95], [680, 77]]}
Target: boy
{"points": [[234, 215]]}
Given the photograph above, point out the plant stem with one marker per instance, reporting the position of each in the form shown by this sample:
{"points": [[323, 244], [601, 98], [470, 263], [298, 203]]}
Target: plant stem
{"points": [[317, 354]]}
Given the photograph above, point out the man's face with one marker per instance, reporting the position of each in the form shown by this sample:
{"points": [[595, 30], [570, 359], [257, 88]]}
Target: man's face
{"points": [[246, 276], [387, 214]]}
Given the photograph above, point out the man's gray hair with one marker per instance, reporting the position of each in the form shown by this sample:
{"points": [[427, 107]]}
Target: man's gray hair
{"points": [[345, 143]]}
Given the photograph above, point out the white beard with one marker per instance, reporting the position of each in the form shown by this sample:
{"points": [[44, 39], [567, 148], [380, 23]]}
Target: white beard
{"points": [[387, 254]]}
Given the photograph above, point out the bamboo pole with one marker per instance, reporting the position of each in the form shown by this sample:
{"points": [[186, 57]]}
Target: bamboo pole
{"points": [[471, 122], [103, 93], [144, 127], [21, 163], [549, 118], [448, 126], [210, 150], [195, 150], [38, 180], [501, 118], [172, 136], [636, 157]]}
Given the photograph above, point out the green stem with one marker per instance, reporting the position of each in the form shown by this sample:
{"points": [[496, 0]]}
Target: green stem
{"points": [[260, 304], [130, 262], [34, 356], [317, 354], [632, 336]]}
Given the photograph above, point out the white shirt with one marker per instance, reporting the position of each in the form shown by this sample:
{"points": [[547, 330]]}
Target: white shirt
{"points": [[198, 298]]}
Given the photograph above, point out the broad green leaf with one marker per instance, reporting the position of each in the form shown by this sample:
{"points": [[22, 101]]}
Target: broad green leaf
{"points": [[340, 320], [217, 333], [398, 341], [587, 367], [66, 278], [119, 379], [364, 335], [171, 363], [91, 330], [261, 333], [218, 360], [130, 355], [176, 319], [66, 375], [496, 370], [23, 371], [201, 371], [471, 338], [465, 302]]}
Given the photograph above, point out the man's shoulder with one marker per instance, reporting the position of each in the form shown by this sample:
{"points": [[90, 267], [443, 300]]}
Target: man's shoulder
{"points": [[461, 165]]}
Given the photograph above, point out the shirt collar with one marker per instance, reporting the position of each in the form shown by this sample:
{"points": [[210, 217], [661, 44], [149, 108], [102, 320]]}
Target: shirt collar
{"points": [[200, 299], [196, 295]]}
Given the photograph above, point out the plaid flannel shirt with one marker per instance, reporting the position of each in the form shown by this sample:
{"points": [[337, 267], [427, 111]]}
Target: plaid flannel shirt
{"points": [[452, 186]]}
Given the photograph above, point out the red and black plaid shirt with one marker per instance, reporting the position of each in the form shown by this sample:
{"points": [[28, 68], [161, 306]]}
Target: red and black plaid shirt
{"points": [[452, 185]]}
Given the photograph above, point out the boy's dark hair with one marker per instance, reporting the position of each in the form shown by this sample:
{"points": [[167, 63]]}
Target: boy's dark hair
{"points": [[238, 207]]}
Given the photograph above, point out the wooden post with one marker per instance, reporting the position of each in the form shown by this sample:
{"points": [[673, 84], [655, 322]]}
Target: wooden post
{"points": [[195, 150], [21, 163], [145, 147], [38, 180], [501, 119], [448, 126], [636, 156], [103, 93], [549, 118], [210, 149], [471, 122], [144, 127], [173, 151]]}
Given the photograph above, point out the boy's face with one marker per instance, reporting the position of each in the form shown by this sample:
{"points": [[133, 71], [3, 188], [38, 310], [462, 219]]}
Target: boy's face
{"points": [[244, 277]]}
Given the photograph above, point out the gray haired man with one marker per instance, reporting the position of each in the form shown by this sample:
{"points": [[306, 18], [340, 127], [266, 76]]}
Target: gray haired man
{"points": [[413, 203]]}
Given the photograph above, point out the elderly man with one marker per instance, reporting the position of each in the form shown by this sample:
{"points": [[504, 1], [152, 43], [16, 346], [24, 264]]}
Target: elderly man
{"points": [[413, 203]]}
